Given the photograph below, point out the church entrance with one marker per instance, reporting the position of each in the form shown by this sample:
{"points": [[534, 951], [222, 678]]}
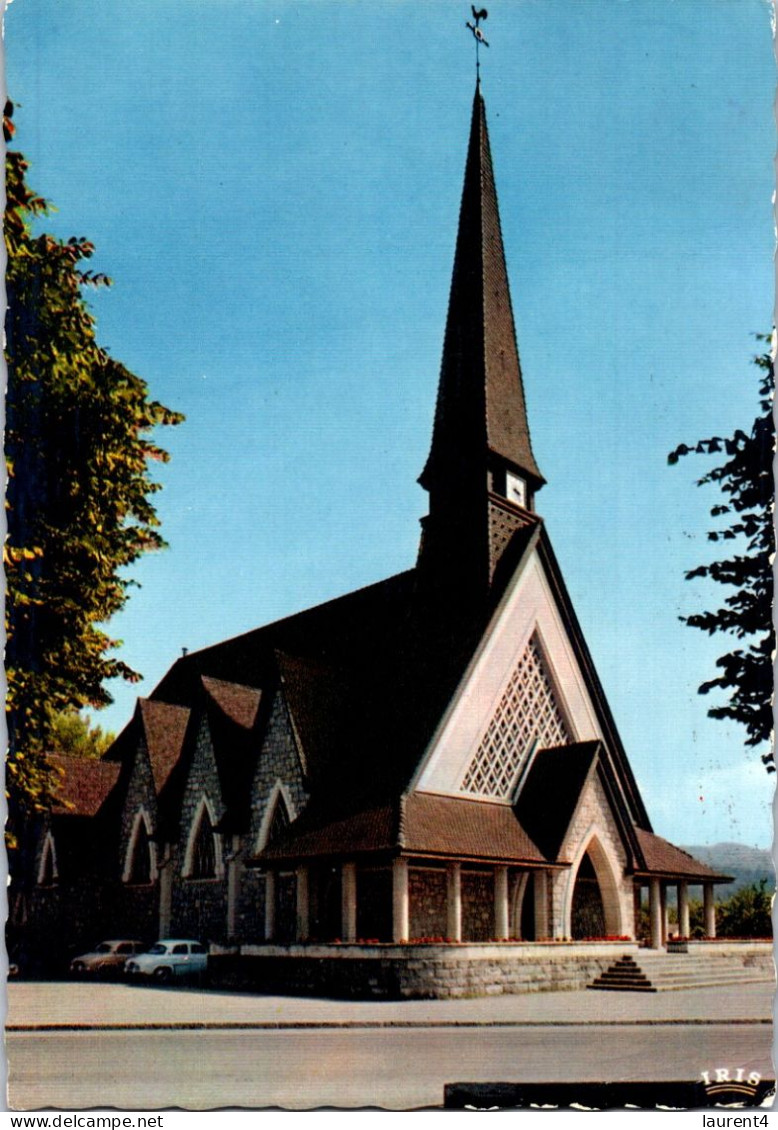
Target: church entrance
{"points": [[587, 919]]}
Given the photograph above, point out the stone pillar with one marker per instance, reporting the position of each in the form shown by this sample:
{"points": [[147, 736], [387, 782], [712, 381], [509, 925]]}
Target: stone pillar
{"points": [[348, 902], [540, 886], [303, 904], [165, 873], [683, 909], [233, 887], [709, 910], [400, 916], [270, 905], [663, 903], [454, 902], [501, 902], [637, 900], [655, 910]]}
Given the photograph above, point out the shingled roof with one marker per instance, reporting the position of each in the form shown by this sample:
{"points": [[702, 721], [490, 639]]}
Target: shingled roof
{"points": [[480, 402], [164, 728], [670, 862], [83, 785], [419, 824]]}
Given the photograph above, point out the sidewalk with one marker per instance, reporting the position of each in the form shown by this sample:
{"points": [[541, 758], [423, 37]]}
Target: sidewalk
{"points": [[67, 1005]]}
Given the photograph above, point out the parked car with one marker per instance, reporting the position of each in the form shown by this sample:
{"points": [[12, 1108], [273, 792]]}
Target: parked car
{"points": [[169, 958], [105, 958]]}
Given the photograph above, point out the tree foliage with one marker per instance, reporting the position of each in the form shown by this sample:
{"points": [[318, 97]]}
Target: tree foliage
{"points": [[74, 735], [745, 479], [78, 447]]}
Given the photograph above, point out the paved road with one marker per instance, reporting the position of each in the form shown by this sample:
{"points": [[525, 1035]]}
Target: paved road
{"points": [[394, 1068]]}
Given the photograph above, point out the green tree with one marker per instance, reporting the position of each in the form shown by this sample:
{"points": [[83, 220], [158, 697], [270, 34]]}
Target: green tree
{"points": [[746, 481], [74, 735], [78, 446], [746, 913]]}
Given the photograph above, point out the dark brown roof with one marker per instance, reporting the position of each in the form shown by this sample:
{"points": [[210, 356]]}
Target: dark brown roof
{"points": [[460, 828], [164, 726], [421, 824], [82, 785], [665, 859], [550, 793], [374, 830], [239, 703], [480, 396]]}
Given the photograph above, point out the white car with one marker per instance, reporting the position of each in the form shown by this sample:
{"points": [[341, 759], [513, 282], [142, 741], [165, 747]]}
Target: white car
{"points": [[169, 958]]}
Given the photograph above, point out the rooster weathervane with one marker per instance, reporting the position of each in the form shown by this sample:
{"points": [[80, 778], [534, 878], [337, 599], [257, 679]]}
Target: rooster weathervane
{"points": [[478, 35]]}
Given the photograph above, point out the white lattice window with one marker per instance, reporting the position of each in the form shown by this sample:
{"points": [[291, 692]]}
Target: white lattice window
{"points": [[527, 712]]}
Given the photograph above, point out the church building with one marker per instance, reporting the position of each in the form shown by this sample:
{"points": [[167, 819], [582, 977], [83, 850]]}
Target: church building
{"points": [[426, 762]]}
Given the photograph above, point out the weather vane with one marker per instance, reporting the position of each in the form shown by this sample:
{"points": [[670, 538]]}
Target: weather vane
{"points": [[478, 35]]}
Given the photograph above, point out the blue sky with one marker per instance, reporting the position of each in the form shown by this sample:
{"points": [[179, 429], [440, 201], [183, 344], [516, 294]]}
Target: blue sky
{"points": [[274, 189]]}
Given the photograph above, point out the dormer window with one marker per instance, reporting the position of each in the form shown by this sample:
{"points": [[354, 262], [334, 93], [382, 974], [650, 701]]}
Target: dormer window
{"points": [[515, 488]]}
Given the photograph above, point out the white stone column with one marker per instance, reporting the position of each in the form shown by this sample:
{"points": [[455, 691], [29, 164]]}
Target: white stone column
{"points": [[303, 904], [655, 911], [709, 910], [683, 909], [270, 905], [165, 874], [400, 915], [540, 886], [234, 868], [454, 902], [663, 902], [501, 902], [348, 902]]}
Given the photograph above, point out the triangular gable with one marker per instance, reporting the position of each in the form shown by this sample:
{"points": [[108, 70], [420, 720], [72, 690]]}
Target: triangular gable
{"points": [[530, 685]]}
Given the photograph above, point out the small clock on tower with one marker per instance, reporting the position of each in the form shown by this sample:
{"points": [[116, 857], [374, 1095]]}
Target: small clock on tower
{"points": [[515, 488]]}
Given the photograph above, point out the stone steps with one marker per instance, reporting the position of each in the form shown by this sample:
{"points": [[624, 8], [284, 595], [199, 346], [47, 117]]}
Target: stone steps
{"points": [[658, 972]]}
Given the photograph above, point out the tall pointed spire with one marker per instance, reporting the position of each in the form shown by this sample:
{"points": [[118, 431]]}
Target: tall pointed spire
{"points": [[481, 473], [481, 405]]}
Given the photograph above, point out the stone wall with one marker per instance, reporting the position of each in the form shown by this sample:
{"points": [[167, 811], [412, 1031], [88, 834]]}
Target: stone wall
{"points": [[279, 761], [593, 823], [140, 794], [477, 906], [427, 902], [199, 906], [394, 972]]}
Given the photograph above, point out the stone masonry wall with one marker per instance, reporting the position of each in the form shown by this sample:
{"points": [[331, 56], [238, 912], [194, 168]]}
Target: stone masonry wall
{"points": [[594, 814], [199, 906], [427, 902], [279, 760], [140, 794], [415, 972], [477, 906]]}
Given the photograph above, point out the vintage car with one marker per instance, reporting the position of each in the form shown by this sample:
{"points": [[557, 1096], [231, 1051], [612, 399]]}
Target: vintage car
{"points": [[169, 958], [106, 959]]}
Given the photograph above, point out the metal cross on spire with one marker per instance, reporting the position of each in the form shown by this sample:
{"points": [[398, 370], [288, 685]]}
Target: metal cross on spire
{"points": [[478, 35]]}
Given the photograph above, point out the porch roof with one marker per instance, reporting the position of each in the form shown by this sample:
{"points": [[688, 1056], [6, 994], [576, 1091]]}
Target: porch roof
{"points": [[421, 824], [665, 860]]}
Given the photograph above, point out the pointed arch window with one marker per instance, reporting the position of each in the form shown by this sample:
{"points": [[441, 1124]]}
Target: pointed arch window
{"points": [[279, 821], [140, 862], [203, 856], [48, 872], [528, 713], [203, 850], [279, 814]]}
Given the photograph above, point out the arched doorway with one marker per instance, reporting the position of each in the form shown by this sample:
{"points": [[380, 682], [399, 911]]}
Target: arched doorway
{"points": [[587, 915]]}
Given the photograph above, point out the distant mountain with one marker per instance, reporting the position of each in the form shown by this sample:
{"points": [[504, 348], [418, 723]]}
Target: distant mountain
{"points": [[746, 864]]}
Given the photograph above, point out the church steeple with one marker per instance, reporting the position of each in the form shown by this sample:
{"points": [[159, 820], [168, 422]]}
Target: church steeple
{"points": [[481, 473]]}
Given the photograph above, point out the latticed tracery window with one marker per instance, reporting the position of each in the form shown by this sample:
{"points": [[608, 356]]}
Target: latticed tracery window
{"points": [[527, 712]]}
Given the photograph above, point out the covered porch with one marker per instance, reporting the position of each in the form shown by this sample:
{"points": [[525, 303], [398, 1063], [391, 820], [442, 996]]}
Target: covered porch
{"points": [[666, 867]]}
